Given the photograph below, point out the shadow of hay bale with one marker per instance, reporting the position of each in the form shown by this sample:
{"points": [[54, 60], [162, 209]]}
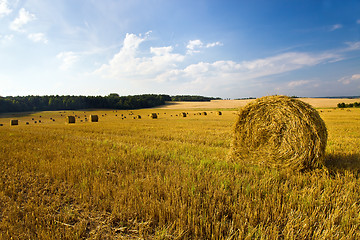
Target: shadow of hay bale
{"points": [[342, 162]]}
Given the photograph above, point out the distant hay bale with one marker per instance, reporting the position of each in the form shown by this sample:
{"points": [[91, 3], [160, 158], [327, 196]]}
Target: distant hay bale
{"points": [[1, 124], [94, 118], [138, 116], [70, 119], [279, 131], [219, 113], [153, 115], [39, 121], [14, 122], [204, 113], [27, 123], [183, 114]]}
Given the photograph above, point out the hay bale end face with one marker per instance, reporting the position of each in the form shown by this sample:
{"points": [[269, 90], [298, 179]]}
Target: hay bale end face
{"points": [[94, 118], [204, 113], [183, 114], [219, 113], [279, 131], [153, 116], [14, 122], [70, 119]]}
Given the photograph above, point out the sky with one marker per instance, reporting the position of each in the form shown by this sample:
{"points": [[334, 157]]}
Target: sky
{"points": [[218, 48]]}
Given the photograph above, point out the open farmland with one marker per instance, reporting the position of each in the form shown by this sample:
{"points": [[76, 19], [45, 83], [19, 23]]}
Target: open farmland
{"points": [[315, 102], [168, 178]]}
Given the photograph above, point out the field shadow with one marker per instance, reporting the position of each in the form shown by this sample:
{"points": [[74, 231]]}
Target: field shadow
{"points": [[341, 162], [16, 114]]}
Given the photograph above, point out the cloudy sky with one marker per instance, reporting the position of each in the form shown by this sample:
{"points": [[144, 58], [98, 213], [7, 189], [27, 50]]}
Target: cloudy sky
{"points": [[219, 48]]}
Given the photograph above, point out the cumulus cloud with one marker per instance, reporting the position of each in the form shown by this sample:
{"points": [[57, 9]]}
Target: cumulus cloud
{"points": [[67, 59], [194, 46], [23, 18], [209, 45], [161, 66], [230, 72], [38, 37], [336, 26], [347, 80], [128, 63], [4, 8]]}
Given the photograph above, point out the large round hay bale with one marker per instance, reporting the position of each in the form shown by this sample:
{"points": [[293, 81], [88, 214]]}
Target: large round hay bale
{"points": [[94, 118], [14, 122], [70, 119], [279, 131], [183, 114], [153, 115]]}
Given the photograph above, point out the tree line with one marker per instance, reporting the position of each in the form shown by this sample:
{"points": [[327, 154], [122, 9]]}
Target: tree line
{"points": [[192, 98], [112, 101], [348, 105]]}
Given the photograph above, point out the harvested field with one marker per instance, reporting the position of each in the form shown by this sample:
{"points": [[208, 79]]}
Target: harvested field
{"points": [[169, 179], [220, 104]]}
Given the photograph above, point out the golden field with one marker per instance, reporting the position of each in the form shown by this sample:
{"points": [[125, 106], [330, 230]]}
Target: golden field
{"points": [[168, 178], [315, 102]]}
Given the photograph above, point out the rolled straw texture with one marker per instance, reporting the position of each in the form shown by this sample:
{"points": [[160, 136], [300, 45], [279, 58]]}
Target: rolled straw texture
{"points": [[279, 131]]}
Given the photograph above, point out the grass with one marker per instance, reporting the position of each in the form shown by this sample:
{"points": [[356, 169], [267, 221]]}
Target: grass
{"points": [[168, 178]]}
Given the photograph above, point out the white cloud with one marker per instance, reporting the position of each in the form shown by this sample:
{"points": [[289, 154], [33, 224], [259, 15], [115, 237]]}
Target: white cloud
{"points": [[209, 45], [6, 38], [160, 66], [127, 63], [358, 21], [4, 8], [23, 18], [353, 45], [194, 46], [38, 37], [298, 83], [68, 59], [347, 80], [336, 26]]}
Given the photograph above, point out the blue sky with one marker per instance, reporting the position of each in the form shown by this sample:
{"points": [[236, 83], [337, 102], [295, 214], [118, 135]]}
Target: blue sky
{"points": [[228, 49]]}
